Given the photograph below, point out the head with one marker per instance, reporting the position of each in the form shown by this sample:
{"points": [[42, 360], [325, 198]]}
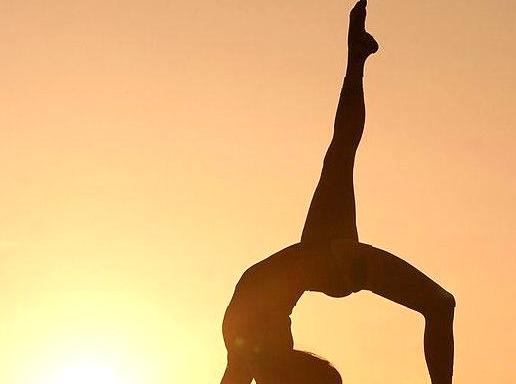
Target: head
{"points": [[314, 369], [298, 367]]}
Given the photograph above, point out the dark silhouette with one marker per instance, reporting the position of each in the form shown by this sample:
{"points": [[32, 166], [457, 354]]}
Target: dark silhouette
{"points": [[329, 259]]}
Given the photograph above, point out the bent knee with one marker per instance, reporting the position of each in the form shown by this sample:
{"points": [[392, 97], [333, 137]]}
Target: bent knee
{"points": [[442, 306]]}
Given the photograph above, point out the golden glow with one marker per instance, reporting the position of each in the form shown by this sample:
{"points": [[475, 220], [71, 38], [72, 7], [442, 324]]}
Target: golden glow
{"points": [[152, 150], [86, 372]]}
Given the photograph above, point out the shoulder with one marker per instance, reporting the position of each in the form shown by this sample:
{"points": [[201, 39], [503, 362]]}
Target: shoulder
{"points": [[283, 259]]}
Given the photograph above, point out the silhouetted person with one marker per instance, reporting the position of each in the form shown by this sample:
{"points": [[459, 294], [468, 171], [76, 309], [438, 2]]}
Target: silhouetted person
{"points": [[329, 259]]}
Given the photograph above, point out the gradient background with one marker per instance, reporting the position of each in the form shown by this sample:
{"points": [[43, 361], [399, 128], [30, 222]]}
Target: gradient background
{"points": [[152, 150]]}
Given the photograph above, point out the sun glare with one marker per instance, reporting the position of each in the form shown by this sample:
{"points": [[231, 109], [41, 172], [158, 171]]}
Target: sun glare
{"points": [[87, 372]]}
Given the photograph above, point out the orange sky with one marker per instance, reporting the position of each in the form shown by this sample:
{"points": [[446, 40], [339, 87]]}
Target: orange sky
{"points": [[152, 150]]}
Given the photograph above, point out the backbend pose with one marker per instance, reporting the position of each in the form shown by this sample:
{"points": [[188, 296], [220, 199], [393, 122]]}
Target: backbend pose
{"points": [[329, 259]]}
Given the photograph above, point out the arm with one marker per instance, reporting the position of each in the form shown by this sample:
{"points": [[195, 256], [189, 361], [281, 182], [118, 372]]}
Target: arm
{"points": [[236, 375]]}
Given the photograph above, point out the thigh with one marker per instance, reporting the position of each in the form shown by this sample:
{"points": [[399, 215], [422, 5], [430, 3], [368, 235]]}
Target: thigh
{"points": [[295, 367], [332, 213], [395, 279]]}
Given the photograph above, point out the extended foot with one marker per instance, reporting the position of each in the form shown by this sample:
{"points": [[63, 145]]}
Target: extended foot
{"points": [[360, 43]]}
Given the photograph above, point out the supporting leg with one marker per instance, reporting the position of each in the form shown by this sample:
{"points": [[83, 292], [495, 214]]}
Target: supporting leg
{"points": [[439, 344], [396, 280]]}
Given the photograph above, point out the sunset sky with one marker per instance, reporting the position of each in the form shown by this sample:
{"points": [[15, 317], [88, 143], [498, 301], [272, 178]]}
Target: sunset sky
{"points": [[151, 151]]}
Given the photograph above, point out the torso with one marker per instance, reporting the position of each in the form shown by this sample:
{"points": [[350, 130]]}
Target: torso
{"points": [[268, 291], [272, 285]]}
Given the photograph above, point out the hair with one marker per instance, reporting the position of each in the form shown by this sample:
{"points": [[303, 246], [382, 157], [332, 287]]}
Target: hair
{"points": [[310, 368]]}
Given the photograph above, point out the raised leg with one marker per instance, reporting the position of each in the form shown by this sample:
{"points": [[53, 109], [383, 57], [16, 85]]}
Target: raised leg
{"points": [[332, 210], [397, 280]]}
